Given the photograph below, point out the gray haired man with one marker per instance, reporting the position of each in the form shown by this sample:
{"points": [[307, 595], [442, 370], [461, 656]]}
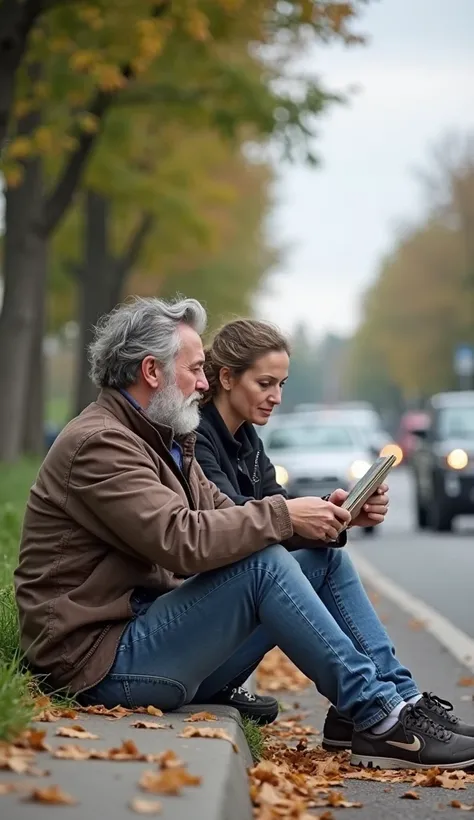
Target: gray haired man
{"points": [[140, 583]]}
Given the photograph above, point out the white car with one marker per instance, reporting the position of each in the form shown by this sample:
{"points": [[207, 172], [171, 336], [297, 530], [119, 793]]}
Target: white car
{"points": [[313, 457]]}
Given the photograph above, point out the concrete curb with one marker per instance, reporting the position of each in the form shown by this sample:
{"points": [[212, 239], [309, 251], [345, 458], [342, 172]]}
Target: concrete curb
{"points": [[105, 788]]}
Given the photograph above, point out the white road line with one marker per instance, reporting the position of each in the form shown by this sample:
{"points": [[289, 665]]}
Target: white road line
{"points": [[460, 645]]}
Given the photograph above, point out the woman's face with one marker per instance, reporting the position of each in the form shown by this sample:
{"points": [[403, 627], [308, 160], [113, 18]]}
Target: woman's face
{"points": [[254, 394]]}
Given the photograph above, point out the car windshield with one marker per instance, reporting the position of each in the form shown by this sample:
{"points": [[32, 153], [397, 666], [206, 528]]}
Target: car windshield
{"points": [[310, 437], [457, 422]]}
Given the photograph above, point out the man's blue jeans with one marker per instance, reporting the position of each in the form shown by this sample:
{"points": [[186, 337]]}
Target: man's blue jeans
{"points": [[188, 644]]}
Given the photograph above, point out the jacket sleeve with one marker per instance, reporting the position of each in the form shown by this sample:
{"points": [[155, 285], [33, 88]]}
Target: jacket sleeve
{"points": [[209, 462], [116, 494]]}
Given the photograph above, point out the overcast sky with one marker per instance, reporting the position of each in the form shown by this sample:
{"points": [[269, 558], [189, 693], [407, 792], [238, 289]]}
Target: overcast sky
{"points": [[416, 79]]}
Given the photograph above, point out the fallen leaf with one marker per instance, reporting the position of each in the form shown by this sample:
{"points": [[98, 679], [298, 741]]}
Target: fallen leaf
{"points": [[466, 681], [47, 716], [115, 713], [169, 781], [410, 796], [52, 795], [141, 806], [205, 731], [463, 806], [149, 724], [152, 710], [33, 739], [169, 760], [7, 788], [76, 732], [277, 673], [200, 716], [337, 800], [72, 752], [416, 624]]}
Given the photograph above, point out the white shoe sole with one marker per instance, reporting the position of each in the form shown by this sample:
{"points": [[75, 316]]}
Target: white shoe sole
{"points": [[393, 763]]}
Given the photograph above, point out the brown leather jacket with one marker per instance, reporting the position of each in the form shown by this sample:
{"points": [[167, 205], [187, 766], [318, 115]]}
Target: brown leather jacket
{"points": [[111, 511]]}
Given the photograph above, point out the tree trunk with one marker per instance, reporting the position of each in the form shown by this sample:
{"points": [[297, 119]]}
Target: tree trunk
{"points": [[95, 290], [24, 272], [101, 279], [33, 422], [16, 21]]}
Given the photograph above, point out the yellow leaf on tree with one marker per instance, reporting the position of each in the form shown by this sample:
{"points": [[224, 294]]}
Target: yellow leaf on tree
{"points": [[43, 139], [20, 148], [109, 77], [22, 108], [83, 60], [197, 25], [13, 174], [59, 45], [88, 123]]}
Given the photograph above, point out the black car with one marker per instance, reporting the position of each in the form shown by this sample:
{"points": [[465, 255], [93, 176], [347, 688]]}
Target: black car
{"points": [[443, 463]]}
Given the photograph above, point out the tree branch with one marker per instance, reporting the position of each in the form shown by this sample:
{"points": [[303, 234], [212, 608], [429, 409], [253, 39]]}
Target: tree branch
{"points": [[63, 192], [130, 255]]}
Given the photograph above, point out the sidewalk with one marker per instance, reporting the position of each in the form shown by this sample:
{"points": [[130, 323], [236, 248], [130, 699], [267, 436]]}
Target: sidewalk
{"points": [[106, 788]]}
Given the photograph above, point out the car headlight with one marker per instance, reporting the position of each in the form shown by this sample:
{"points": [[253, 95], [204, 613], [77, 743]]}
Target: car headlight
{"points": [[358, 468], [281, 475], [393, 449], [457, 459]]}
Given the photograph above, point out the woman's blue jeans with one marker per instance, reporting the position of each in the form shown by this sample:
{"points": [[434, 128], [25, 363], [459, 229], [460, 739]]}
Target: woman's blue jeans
{"points": [[189, 643]]}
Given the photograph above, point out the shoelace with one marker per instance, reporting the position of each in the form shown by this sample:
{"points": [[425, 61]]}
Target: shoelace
{"points": [[240, 690], [415, 718], [440, 707]]}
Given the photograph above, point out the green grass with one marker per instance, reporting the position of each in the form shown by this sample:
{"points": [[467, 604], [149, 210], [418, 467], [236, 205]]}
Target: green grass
{"points": [[16, 687], [254, 737]]}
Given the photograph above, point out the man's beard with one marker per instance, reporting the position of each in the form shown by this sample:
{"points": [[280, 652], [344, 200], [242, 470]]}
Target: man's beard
{"points": [[169, 407]]}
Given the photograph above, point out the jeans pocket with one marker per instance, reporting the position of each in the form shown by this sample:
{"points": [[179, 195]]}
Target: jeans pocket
{"points": [[133, 691]]}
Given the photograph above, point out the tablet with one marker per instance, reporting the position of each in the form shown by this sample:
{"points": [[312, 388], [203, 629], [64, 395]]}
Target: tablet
{"points": [[367, 485]]}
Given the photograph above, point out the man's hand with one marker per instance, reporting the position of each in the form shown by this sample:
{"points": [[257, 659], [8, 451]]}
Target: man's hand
{"points": [[317, 520], [373, 512]]}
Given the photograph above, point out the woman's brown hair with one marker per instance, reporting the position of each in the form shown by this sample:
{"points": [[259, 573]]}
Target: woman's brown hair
{"points": [[238, 345]]}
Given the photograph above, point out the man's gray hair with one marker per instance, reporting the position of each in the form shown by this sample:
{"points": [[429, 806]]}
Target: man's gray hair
{"points": [[139, 328]]}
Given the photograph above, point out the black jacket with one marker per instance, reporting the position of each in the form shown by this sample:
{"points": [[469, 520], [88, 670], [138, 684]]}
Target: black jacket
{"points": [[238, 465]]}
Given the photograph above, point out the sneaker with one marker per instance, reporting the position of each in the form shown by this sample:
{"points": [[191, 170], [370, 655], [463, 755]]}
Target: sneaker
{"points": [[337, 732], [262, 709], [415, 742], [439, 710]]}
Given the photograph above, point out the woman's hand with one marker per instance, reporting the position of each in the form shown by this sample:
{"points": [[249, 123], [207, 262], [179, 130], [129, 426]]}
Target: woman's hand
{"points": [[373, 512]]}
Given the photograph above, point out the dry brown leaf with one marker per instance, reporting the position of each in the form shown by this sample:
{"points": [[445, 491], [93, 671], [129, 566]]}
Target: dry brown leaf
{"points": [[466, 681], [115, 713], [277, 673], [205, 731], [33, 739], [337, 800], [72, 752], [77, 732], [168, 781], [455, 804], [415, 624], [47, 716], [52, 795], [149, 724], [200, 716], [410, 796], [169, 760], [153, 710], [141, 806], [7, 788]]}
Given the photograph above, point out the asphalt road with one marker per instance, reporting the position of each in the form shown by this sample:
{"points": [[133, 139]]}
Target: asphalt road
{"points": [[437, 568]]}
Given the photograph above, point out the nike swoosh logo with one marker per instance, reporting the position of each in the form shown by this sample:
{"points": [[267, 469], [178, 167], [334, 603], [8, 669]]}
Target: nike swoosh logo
{"points": [[414, 746]]}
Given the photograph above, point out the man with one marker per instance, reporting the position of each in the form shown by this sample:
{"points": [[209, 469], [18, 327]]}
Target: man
{"points": [[121, 513]]}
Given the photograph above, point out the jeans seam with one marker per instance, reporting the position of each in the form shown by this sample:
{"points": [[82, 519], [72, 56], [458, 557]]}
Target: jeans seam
{"points": [[350, 623]]}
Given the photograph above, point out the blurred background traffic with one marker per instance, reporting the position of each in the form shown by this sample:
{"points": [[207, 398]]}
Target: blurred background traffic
{"points": [[311, 163]]}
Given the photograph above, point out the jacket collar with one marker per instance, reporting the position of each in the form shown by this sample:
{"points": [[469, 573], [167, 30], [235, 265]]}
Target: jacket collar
{"points": [[243, 443], [158, 436]]}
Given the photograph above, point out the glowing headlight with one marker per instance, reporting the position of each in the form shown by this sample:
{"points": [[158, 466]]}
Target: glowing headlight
{"points": [[393, 450], [457, 459], [281, 475], [358, 468]]}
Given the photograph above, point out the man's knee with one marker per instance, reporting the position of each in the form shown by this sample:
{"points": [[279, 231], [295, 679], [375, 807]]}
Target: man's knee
{"points": [[274, 556]]}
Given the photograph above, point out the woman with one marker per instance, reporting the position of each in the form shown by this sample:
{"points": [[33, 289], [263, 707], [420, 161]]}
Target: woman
{"points": [[247, 367]]}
